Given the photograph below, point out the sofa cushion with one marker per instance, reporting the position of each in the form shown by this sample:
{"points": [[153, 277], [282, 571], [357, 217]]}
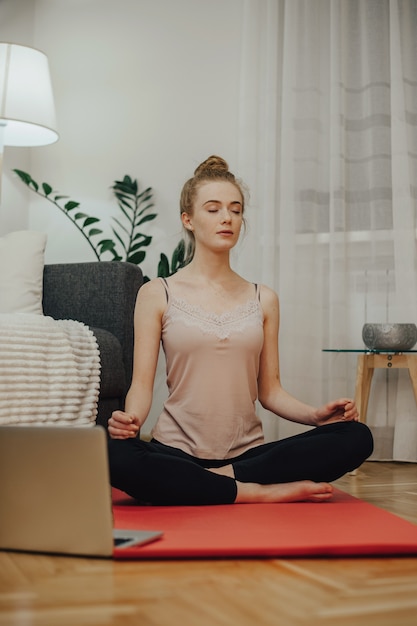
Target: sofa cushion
{"points": [[21, 272], [113, 375]]}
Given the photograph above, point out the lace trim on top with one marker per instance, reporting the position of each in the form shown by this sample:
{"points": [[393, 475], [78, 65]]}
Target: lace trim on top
{"points": [[221, 326]]}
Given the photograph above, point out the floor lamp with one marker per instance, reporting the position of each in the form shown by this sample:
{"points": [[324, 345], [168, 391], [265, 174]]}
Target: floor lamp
{"points": [[27, 111]]}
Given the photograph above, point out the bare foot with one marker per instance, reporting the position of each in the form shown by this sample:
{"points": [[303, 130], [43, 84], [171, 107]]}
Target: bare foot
{"points": [[300, 491]]}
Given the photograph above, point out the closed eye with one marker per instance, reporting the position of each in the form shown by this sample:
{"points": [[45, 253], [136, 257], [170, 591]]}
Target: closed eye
{"points": [[213, 206], [237, 208]]}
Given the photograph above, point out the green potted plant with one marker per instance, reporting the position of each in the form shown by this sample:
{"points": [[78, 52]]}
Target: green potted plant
{"points": [[129, 243]]}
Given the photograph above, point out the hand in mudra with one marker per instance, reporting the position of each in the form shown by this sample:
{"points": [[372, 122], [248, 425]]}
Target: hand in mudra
{"points": [[123, 425], [341, 410]]}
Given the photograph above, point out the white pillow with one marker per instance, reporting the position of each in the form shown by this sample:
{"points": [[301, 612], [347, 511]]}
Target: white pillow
{"points": [[22, 258]]}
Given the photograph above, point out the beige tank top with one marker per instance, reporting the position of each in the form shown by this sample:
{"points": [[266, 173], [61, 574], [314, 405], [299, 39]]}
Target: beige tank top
{"points": [[212, 364]]}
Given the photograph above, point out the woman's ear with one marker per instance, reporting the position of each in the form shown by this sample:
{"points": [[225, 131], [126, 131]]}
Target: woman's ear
{"points": [[186, 220]]}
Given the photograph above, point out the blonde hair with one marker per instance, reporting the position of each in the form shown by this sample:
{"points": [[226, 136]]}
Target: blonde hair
{"points": [[212, 169]]}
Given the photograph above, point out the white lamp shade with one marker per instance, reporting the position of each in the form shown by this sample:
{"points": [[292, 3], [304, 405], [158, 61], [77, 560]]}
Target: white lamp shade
{"points": [[27, 111]]}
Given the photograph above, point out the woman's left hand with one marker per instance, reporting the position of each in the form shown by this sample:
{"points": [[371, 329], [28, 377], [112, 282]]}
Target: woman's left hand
{"points": [[341, 410]]}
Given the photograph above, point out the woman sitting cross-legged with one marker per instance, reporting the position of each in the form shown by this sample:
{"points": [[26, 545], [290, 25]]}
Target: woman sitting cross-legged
{"points": [[219, 333]]}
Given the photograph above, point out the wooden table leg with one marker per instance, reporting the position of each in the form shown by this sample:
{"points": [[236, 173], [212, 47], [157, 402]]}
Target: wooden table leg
{"points": [[364, 374], [366, 366], [412, 370]]}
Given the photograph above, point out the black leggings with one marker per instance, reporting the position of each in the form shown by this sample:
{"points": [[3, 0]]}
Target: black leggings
{"points": [[154, 473]]}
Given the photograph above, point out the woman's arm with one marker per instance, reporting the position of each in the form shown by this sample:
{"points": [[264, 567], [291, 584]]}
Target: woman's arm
{"points": [[270, 392], [149, 309]]}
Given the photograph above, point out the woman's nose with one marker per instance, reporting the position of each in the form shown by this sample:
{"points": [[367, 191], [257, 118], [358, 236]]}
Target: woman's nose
{"points": [[226, 217]]}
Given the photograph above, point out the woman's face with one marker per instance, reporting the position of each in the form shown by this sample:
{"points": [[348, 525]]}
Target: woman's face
{"points": [[217, 215]]}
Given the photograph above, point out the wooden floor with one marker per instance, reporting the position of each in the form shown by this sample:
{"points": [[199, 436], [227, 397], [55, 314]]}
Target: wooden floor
{"points": [[37, 590]]}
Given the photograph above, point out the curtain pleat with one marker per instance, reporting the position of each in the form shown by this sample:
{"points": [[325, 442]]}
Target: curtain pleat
{"points": [[328, 147]]}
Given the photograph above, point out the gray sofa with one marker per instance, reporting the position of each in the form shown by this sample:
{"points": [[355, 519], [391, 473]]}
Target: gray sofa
{"points": [[102, 295]]}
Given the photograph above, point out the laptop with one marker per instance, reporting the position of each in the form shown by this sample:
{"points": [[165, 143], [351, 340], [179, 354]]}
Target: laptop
{"points": [[55, 494]]}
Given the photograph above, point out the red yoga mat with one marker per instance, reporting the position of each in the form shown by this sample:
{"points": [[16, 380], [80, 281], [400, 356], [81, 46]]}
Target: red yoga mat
{"points": [[344, 526]]}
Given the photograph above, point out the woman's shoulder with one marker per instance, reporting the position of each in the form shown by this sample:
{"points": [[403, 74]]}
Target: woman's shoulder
{"points": [[268, 298], [152, 287], [152, 293], [267, 293]]}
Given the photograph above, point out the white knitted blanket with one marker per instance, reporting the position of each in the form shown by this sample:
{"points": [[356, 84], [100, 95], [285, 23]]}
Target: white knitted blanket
{"points": [[49, 371]]}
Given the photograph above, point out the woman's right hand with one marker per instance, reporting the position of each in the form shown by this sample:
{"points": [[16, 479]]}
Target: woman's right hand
{"points": [[123, 426]]}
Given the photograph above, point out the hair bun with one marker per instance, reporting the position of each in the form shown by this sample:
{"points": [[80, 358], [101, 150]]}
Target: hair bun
{"points": [[211, 165]]}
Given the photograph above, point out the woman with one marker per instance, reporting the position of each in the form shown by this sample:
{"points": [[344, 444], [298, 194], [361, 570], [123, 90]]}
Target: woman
{"points": [[220, 337]]}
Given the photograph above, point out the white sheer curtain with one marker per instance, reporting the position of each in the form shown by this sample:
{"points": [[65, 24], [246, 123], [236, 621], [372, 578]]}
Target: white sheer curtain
{"points": [[328, 147]]}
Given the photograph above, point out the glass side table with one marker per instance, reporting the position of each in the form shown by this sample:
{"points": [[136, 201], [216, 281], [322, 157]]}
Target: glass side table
{"points": [[368, 360]]}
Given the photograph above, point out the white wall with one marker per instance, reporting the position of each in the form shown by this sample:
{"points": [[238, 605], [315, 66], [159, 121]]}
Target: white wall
{"points": [[16, 26], [147, 88]]}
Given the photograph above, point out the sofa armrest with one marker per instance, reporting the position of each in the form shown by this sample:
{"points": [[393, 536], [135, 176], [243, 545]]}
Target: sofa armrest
{"points": [[100, 294]]}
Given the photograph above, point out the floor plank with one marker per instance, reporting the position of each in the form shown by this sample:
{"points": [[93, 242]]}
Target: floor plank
{"points": [[41, 590]]}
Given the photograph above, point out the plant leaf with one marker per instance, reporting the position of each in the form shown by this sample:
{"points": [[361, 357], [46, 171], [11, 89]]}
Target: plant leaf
{"points": [[147, 218], [125, 213], [106, 244], [163, 266], [120, 239], [126, 186], [146, 198], [94, 231], [146, 191], [72, 205], [122, 200], [24, 176], [141, 244], [178, 256], [140, 237], [136, 258], [122, 226], [90, 220], [146, 208], [27, 179], [47, 189]]}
